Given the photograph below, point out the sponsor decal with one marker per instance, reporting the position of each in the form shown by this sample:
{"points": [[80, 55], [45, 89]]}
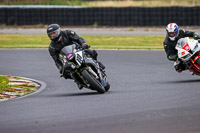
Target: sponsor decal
{"points": [[69, 56], [186, 47]]}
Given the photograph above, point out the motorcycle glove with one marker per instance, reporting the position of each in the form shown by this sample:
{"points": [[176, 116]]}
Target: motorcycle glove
{"points": [[85, 46], [173, 57], [196, 36]]}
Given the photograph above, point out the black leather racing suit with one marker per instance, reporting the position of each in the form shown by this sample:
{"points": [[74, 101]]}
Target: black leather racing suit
{"points": [[169, 46], [67, 37]]}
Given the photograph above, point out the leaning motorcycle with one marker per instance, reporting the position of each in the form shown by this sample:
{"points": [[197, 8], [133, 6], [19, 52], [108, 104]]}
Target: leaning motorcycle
{"points": [[189, 53], [83, 69]]}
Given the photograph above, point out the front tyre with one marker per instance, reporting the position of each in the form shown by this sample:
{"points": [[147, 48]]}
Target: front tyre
{"points": [[94, 84], [107, 87], [198, 62]]}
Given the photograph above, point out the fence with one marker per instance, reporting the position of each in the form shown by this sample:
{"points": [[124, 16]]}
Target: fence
{"points": [[102, 16]]}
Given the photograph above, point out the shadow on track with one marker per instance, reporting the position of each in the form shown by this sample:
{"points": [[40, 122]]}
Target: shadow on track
{"points": [[74, 94], [59, 95], [183, 81]]}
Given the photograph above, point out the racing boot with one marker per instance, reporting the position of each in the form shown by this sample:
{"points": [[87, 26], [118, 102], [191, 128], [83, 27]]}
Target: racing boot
{"points": [[79, 85], [179, 66], [67, 75], [77, 80]]}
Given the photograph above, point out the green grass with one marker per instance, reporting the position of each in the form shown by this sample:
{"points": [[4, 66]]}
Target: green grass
{"points": [[23, 41], [3, 83], [96, 42], [125, 42]]}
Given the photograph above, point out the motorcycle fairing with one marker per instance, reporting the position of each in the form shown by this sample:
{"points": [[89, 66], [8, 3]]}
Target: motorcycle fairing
{"points": [[68, 51], [187, 48], [91, 62]]}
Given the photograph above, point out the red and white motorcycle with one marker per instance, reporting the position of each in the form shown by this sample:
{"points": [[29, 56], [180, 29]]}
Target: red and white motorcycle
{"points": [[189, 53]]}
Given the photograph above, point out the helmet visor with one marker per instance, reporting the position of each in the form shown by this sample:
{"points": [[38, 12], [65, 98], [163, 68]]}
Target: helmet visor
{"points": [[54, 34], [172, 34]]}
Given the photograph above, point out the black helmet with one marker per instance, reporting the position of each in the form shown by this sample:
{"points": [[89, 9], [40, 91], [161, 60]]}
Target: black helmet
{"points": [[53, 32]]}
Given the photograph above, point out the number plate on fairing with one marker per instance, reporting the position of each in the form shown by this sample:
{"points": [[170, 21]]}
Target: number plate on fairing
{"points": [[79, 57]]}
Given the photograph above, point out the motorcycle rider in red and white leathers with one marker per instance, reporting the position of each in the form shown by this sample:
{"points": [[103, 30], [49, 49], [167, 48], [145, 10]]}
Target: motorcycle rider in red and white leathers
{"points": [[173, 34]]}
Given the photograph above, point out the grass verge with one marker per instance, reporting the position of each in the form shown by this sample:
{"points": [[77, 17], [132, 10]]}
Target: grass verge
{"points": [[96, 42], [3, 83], [11, 87]]}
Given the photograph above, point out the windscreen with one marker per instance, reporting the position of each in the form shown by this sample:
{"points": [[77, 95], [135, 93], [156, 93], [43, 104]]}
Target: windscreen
{"points": [[182, 42], [68, 49]]}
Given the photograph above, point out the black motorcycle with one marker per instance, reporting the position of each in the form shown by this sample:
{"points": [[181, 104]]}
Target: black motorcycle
{"points": [[83, 69]]}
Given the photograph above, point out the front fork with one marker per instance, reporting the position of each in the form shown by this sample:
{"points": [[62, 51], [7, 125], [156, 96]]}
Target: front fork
{"points": [[100, 76]]}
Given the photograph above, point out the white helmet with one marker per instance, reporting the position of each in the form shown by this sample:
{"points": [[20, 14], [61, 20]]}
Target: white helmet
{"points": [[172, 31]]}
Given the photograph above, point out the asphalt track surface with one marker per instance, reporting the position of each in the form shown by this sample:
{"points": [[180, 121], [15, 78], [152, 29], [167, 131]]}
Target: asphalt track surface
{"points": [[146, 96]]}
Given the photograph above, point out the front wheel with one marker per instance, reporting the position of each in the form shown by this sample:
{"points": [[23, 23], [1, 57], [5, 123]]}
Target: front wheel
{"points": [[107, 87], [94, 84], [198, 62]]}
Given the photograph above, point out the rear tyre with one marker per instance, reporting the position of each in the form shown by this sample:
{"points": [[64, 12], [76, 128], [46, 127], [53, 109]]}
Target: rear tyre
{"points": [[94, 84]]}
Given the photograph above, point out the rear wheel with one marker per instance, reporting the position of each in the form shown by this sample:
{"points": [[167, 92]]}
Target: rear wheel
{"points": [[94, 83]]}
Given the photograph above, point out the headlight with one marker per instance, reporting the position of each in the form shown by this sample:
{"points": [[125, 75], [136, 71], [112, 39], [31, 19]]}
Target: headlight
{"points": [[185, 57]]}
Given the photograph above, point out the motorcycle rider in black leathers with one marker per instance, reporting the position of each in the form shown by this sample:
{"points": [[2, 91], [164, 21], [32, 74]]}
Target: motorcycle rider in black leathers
{"points": [[173, 34], [60, 39]]}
